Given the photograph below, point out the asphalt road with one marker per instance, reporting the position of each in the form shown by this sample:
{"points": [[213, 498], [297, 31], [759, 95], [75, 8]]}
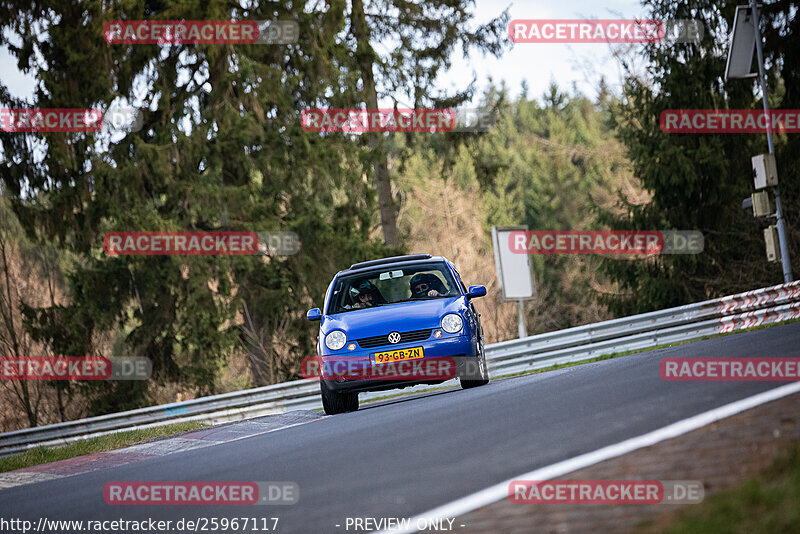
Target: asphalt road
{"points": [[401, 458]]}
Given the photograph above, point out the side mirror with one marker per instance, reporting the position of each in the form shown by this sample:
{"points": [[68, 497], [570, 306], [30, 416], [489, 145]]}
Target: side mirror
{"points": [[315, 314], [476, 291]]}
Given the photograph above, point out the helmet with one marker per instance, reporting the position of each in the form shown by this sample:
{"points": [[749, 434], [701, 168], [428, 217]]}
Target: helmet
{"points": [[361, 288], [431, 279]]}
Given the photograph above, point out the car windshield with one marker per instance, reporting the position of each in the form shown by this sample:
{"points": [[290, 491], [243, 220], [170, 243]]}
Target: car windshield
{"points": [[391, 285]]}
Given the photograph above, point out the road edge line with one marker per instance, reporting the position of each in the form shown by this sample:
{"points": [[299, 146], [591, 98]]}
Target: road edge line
{"points": [[499, 491]]}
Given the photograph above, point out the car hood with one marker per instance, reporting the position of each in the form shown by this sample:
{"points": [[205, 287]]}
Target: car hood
{"points": [[403, 316]]}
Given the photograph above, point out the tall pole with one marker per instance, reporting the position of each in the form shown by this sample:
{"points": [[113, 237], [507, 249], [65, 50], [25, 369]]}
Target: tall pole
{"points": [[521, 317], [782, 240]]}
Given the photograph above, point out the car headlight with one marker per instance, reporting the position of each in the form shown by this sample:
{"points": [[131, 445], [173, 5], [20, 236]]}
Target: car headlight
{"points": [[335, 340], [452, 323]]}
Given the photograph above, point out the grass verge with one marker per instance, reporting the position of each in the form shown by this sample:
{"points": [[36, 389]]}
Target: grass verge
{"points": [[765, 503], [44, 455]]}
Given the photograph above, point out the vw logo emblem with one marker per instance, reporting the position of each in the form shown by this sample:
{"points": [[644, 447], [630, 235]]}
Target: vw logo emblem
{"points": [[394, 337]]}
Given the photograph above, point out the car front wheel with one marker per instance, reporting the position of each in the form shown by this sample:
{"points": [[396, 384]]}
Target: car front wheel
{"points": [[477, 371], [334, 402]]}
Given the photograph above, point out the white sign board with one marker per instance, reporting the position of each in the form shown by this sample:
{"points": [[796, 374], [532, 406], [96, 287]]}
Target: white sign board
{"points": [[514, 272], [742, 46]]}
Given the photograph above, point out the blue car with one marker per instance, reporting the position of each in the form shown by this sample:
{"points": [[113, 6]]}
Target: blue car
{"points": [[394, 323]]}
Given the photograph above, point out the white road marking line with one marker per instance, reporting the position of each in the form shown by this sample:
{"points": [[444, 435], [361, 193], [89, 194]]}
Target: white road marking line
{"points": [[500, 491]]}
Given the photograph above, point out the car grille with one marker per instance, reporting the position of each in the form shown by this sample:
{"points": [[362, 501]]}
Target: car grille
{"points": [[405, 337]]}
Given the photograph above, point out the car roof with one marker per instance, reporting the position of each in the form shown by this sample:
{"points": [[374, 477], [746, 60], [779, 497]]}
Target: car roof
{"points": [[409, 259]]}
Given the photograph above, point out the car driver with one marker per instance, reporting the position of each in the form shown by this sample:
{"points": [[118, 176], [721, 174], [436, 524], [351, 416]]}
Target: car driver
{"points": [[425, 285]]}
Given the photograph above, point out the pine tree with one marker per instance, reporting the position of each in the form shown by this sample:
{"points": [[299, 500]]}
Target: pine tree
{"points": [[697, 181]]}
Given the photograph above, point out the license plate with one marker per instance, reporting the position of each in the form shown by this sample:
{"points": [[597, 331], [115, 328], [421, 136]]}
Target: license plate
{"points": [[396, 355]]}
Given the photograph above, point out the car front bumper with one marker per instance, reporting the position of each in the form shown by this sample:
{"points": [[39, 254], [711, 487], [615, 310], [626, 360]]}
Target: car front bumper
{"points": [[443, 359]]}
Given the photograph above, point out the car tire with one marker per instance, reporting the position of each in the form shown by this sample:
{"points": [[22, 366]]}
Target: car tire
{"points": [[335, 402], [481, 375]]}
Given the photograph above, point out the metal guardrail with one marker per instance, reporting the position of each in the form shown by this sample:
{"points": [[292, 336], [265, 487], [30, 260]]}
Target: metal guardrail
{"points": [[726, 314]]}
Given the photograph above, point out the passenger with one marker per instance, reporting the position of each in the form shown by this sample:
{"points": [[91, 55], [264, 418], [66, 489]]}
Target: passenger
{"points": [[366, 295], [365, 300]]}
